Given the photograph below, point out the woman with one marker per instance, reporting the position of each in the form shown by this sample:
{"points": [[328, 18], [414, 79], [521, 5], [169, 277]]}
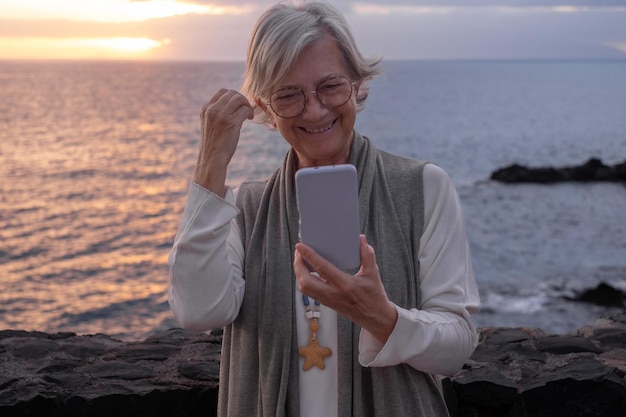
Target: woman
{"points": [[368, 344]]}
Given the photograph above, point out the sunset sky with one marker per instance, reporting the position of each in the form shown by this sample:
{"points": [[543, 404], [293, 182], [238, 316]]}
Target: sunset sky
{"points": [[397, 29]]}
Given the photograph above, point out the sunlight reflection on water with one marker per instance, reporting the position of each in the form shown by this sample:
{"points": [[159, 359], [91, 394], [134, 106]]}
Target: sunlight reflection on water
{"points": [[96, 159]]}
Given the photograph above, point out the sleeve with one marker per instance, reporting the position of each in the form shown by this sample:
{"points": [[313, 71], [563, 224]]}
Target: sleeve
{"points": [[206, 285], [439, 337]]}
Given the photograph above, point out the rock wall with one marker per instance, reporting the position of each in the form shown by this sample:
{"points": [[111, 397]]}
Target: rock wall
{"points": [[172, 374], [524, 372], [513, 373]]}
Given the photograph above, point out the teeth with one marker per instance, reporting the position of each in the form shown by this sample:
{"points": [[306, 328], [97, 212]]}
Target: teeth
{"points": [[319, 130]]}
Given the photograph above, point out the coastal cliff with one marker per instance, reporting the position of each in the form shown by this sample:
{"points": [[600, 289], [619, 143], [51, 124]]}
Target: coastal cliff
{"points": [[515, 372]]}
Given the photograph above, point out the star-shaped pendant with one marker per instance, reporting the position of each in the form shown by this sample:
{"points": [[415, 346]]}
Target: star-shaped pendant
{"points": [[313, 354]]}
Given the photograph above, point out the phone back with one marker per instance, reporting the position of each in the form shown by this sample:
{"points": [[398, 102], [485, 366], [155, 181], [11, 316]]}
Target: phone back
{"points": [[328, 203]]}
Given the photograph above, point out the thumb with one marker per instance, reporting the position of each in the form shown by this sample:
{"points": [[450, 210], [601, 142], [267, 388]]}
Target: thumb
{"points": [[368, 256]]}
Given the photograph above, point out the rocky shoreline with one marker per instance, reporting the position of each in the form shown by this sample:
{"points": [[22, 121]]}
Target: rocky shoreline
{"points": [[515, 372], [594, 170]]}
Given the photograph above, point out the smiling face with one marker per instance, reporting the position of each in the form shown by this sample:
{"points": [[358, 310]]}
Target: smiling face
{"points": [[320, 135]]}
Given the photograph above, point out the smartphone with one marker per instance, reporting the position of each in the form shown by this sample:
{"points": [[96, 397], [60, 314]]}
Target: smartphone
{"points": [[328, 203]]}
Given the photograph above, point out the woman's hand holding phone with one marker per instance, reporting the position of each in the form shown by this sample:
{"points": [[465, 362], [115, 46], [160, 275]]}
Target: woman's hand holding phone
{"points": [[332, 247], [360, 297]]}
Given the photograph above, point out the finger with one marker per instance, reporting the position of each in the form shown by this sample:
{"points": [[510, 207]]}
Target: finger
{"points": [[368, 256], [302, 267], [308, 283], [218, 95], [245, 108], [244, 112], [238, 106], [227, 102], [319, 264], [299, 266], [212, 101]]}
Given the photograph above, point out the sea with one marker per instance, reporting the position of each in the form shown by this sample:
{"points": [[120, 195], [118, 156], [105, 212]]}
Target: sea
{"points": [[96, 159]]}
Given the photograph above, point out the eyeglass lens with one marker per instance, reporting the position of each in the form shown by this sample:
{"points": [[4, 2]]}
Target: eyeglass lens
{"points": [[290, 101]]}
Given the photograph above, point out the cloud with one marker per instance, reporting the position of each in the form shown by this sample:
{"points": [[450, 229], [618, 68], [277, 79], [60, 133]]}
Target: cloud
{"points": [[491, 34], [63, 29], [495, 3], [620, 46], [442, 32], [203, 37], [116, 11], [445, 7], [246, 3]]}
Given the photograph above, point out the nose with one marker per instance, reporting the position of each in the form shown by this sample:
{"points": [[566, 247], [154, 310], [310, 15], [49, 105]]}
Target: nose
{"points": [[312, 105]]}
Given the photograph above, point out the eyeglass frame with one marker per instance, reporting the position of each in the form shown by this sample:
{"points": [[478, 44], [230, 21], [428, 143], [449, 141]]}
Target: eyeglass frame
{"points": [[306, 94]]}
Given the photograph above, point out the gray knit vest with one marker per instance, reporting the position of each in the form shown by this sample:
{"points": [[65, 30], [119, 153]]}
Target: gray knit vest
{"points": [[259, 367]]}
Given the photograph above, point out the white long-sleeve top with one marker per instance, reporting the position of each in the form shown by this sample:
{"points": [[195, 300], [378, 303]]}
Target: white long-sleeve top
{"points": [[207, 288]]}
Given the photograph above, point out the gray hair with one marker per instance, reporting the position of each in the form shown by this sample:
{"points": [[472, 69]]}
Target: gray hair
{"points": [[279, 37]]}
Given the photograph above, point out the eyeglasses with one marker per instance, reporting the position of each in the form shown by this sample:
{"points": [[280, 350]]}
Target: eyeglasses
{"points": [[290, 102]]}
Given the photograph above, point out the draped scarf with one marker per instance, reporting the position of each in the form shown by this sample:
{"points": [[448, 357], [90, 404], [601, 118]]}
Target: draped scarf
{"points": [[259, 364]]}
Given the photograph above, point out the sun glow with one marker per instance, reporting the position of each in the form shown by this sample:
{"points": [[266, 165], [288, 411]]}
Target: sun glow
{"points": [[122, 29], [130, 45], [112, 11], [78, 48]]}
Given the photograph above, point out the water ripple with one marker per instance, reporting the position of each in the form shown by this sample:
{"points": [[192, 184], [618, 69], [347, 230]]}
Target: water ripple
{"points": [[96, 157]]}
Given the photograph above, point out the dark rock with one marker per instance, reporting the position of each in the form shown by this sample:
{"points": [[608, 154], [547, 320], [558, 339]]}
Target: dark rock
{"points": [[5, 382], [513, 373], [620, 171], [485, 391], [61, 365], [72, 381], [526, 352], [490, 353], [96, 375], [118, 369], [30, 394], [38, 405], [501, 335], [566, 344], [583, 387], [177, 337], [7, 334], [610, 338], [604, 295], [35, 348], [62, 335], [203, 371], [506, 352], [517, 173], [146, 352], [567, 376], [592, 170], [578, 369], [194, 402], [615, 358], [90, 347]]}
